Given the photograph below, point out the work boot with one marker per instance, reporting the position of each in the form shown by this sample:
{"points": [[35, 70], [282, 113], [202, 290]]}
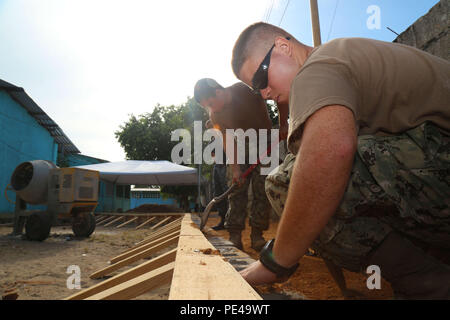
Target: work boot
{"points": [[258, 241], [219, 226], [411, 272], [235, 238]]}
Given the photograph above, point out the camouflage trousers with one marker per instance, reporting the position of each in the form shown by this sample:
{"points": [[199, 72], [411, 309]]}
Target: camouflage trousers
{"points": [[238, 201], [398, 183]]}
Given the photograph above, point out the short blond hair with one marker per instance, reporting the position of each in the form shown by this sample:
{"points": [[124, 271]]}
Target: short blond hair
{"points": [[259, 36]]}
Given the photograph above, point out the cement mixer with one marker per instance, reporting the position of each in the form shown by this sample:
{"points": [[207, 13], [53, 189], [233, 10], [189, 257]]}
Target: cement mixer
{"points": [[67, 192]]}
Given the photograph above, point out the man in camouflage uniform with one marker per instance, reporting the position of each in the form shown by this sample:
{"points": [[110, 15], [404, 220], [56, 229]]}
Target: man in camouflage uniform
{"points": [[237, 107], [238, 201], [386, 197], [369, 170], [219, 187]]}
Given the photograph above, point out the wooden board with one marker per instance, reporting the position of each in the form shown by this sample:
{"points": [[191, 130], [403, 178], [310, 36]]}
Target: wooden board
{"points": [[170, 227], [127, 222], [114, 221], [162, 222], [126, 275], [106, 220], [137, 286], [141, 214], [204, 276], [145, 223], [141, 255], [143, 247]]}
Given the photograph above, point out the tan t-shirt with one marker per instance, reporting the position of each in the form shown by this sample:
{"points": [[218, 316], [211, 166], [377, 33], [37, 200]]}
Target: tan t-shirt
{"points": [[389, 87], [247, 110]]}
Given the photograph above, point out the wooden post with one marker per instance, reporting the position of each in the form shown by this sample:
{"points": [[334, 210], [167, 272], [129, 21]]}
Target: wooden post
{"points": [[315, 23]]}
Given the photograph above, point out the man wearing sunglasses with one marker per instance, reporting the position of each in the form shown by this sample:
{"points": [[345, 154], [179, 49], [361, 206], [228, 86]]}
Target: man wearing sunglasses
{"points": [[368, 176], [237, 107]]}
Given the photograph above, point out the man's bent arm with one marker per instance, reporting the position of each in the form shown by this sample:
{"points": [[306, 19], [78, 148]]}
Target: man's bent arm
{"points": [[283, 114], [318, 182]]}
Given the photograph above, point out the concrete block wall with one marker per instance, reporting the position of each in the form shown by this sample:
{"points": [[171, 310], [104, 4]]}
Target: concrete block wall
{"points": [[430, 32]]}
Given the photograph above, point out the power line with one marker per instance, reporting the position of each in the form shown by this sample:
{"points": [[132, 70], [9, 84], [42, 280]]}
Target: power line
{"points": [[269, 12], [332, 20], [285, 8]]}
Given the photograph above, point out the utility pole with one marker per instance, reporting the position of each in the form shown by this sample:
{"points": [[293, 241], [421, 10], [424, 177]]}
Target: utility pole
{"points": [[199, 201], [315, 23]]}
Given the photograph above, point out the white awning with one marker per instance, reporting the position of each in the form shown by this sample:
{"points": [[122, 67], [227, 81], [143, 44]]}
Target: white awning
{"points": [[145, 172]]}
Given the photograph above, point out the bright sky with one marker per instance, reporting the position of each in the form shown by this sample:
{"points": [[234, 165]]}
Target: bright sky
{"points": [[90, 63]]}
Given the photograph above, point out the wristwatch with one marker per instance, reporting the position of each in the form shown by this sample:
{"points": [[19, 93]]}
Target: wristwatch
{"points": [[266, 258]]}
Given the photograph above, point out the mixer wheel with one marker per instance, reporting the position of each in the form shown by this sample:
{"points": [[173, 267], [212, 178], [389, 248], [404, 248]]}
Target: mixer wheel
{"points": [[83, 224], [37, 226]]}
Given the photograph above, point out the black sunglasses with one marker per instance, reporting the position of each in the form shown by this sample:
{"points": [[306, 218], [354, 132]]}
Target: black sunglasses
{"points": [[260, 79]]}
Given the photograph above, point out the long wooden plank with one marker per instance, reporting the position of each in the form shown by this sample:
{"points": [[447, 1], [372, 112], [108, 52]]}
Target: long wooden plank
{"points": [[101, 218], [142, 248], [106, 220], [127, 222], [126, 275], [145, 223], [143, 254], [154, 237], [204, 276], [162, 222], [137, 286], [114, 221], [170, 225], [142, 214]]}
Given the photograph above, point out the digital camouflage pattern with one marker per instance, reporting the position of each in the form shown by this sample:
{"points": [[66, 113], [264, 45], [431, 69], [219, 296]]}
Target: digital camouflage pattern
{"points": [[238, 199], [399, 183]]}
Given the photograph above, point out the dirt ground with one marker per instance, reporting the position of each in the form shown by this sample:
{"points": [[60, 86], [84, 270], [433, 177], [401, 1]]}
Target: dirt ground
{"points": [[37, 270], [312, 278]]}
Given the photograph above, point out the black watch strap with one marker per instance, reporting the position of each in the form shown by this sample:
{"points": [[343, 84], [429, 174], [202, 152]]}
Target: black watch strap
{"points": [[266, 258]]}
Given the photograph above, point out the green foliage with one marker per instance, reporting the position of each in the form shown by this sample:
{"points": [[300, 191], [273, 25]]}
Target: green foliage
{"points": [[147, 137]]}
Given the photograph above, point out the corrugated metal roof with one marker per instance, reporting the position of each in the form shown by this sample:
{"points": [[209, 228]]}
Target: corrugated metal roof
{"points": [[21, 97]]}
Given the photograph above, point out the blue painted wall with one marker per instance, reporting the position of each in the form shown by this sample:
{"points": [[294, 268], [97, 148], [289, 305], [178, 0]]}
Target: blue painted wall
{"points": [[21, 139], [137, 200]]}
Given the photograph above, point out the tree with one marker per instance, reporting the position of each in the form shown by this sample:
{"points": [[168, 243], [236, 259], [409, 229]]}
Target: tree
{"points": [[148, 137]]}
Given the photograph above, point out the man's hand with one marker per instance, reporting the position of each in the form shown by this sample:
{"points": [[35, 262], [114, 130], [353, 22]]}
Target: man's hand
{"points": [[256, 274]]}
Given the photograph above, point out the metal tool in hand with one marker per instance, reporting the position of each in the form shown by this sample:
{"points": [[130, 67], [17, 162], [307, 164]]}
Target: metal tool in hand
{"points": [[204, 217]]}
